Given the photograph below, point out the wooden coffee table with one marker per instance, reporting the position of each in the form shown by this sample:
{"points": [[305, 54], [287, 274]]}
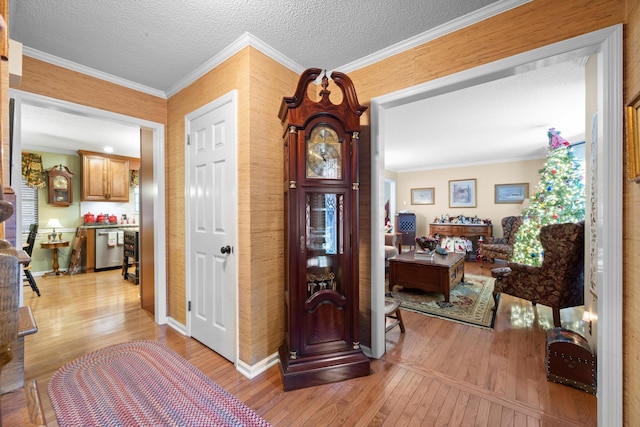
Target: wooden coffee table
{"points": [[437, 275]]}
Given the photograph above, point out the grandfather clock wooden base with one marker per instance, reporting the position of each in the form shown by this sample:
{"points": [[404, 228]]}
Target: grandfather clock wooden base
{"points": [[321, 369]]}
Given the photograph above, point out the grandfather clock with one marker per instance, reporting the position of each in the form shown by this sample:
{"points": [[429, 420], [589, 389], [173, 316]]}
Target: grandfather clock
{"points": [[322, 342]]}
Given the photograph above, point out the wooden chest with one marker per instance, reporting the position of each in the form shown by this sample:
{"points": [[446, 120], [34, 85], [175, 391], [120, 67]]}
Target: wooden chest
{"points": [[569, 360]]}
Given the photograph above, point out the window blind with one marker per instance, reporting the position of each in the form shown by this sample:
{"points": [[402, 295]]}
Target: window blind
{"points": [[29, 203]]}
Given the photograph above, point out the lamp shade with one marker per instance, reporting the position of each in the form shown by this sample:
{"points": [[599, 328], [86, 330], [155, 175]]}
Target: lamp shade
{"points": [[54, 223]]}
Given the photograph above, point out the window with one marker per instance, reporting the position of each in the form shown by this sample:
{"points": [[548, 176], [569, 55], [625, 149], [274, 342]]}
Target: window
{"points": [[29, 203], [136, 199]]}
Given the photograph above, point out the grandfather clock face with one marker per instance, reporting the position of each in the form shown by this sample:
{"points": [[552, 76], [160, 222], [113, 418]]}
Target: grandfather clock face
{"points": [[324, 153]]}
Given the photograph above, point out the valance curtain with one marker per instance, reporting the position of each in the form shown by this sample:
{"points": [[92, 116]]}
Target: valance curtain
{"points": [[135, 178], [32, 170]]}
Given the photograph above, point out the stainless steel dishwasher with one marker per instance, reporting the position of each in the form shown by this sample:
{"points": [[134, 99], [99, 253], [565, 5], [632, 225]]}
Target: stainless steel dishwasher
{"points": [[109, 248]]}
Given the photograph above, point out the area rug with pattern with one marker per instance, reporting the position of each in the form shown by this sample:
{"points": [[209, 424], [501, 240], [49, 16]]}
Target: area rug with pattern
{"points": [[471, 301], [142, 383]]}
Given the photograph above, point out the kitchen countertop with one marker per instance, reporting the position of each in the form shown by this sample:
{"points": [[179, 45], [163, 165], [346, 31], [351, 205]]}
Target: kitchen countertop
{"points": [[108, 225]]}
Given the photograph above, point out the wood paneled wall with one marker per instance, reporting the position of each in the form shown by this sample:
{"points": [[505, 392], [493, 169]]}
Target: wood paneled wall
{"points": [[4, 129], [269, 82], [232, 74], [261, 85], [527, 27], [631, 231], [56, 82], [5, 169], [364, 230]]}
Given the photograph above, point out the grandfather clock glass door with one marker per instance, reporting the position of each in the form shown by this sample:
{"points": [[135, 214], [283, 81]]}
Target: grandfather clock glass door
{"points": [[325, 273]]}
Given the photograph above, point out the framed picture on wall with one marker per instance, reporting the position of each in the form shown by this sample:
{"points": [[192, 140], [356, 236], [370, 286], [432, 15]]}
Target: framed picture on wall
{"points": [[462, 193], [511, 193], [423, 196]]}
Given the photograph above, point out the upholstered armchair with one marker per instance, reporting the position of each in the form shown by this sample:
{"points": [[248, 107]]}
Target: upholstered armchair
{"points": [[559, 282], [502, 247], [390, 249]]}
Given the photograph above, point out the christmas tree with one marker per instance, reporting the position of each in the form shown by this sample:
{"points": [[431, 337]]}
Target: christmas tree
{"points": [[559, 198]]}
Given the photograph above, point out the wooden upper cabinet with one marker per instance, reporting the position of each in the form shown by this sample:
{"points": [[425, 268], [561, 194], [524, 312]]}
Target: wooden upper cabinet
{"points": [[118, 179], [104, 178]]}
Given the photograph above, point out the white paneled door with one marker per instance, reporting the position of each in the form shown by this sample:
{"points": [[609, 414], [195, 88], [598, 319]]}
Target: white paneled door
{"points": [[211, 207]]}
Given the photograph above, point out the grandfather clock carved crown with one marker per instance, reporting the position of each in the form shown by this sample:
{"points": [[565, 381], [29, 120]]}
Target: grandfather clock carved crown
{"points": [[321, 234]]}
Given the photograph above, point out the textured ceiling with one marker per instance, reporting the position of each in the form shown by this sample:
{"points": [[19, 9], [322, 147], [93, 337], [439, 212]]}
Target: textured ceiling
{"points": [[157, 44]]}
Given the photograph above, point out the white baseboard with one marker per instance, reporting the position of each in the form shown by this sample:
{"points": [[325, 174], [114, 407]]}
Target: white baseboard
{"points": [[173, 323], [251, 371]]}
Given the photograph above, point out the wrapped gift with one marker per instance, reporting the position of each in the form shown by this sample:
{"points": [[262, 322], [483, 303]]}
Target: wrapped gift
{"points": [[569, 360]]}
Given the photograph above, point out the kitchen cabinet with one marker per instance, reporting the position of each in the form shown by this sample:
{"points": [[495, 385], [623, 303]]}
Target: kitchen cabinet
{"points": [[88, 254], [104, 178]]}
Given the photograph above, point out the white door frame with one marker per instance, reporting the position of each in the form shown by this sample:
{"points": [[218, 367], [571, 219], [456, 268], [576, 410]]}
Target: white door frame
{"points": [[608, 44], [160, 258]]}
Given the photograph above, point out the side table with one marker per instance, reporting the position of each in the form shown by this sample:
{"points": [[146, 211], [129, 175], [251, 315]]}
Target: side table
{"points": [[54, 245]]}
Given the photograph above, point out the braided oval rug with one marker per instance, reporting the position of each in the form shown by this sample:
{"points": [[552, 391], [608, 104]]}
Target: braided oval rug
{"points": [[142, 383]]}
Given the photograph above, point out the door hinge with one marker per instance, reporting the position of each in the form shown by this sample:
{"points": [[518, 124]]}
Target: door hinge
{"points": [[189, 306], [188, 139]]}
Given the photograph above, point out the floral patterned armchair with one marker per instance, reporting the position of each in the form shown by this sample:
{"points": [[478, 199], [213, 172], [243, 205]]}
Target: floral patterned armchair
{"points": [[559, 281], [502, 247]]}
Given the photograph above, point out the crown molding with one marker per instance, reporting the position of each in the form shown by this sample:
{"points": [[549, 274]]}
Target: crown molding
{"points": [[450, 27], [73, 66], [246, 39], [468, 164]]}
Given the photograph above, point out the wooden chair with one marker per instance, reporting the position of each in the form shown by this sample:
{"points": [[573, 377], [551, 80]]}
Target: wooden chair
{"points": [[392, 311], [26, 268], [559, 282]]}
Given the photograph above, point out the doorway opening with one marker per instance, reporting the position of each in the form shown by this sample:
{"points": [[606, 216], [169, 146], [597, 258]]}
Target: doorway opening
{"points": [[606, 46], [157, 129]]}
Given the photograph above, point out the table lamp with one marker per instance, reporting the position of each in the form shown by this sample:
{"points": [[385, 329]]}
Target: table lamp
{"points": [[53, 224]]}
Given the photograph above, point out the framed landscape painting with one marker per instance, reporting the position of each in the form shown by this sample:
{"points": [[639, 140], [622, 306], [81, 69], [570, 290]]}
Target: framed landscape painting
{"points": [[462, 193], [422, 196], [511, 193]]}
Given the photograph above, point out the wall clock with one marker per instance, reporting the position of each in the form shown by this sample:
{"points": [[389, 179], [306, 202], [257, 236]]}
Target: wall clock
{"points": [[60, 182]]}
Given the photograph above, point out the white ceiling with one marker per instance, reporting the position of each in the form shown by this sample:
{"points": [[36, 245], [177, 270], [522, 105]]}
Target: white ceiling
{"points": [[502, 120], [46, 129], [156, 44]]}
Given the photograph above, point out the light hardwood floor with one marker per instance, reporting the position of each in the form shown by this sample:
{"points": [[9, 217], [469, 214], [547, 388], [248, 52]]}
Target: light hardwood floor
{"points": [[437, 373]]}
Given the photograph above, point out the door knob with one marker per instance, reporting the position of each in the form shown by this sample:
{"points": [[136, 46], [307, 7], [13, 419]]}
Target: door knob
{"points": [[225, 249]]}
